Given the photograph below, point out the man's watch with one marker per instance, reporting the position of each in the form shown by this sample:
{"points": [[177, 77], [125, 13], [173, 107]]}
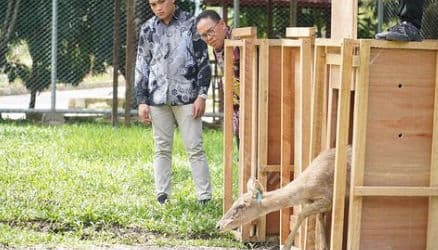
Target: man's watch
{"points": [[203, 96]]}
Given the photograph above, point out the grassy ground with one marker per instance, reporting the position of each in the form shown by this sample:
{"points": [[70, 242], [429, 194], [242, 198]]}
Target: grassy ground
{"points": [[89, 184]]}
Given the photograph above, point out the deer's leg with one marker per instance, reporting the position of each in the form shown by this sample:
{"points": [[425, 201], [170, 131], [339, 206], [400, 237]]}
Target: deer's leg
{"points": [[318, 206], [322, 231]]}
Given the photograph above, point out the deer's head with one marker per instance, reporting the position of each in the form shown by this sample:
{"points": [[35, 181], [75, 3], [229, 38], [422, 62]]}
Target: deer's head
{"points": [[244, 209]]}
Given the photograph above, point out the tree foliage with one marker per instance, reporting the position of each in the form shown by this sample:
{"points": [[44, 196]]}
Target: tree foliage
{"points": [[85, 39]]}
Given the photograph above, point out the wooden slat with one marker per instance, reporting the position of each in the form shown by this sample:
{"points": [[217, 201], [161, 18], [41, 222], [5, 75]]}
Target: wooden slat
{"points": [[395, 191], [303, 96], [273, 168], [432, 226], [228, 129], [359, 144], [244, 32], [344, 19], [263, 122], [287, 74], [328, 42], [285, 43], [316, 119], [254, 116], [261, 221], [297, 32], [336, 59], [233, 43], [246, 82], [341, 146], [424, 45]]}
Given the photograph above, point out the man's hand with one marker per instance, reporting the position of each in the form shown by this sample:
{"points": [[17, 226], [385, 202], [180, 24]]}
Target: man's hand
{"points": [[144, 113], [198, 108]]}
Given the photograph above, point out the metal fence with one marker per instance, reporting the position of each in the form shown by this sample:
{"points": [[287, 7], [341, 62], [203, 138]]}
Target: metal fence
{"points": [[85, 45]]}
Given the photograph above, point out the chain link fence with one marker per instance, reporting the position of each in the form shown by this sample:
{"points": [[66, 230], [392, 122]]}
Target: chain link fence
{"points": [[86, 35]]}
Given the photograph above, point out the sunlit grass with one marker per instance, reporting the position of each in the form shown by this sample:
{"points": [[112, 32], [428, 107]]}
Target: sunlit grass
{"points": [[89, 183]]}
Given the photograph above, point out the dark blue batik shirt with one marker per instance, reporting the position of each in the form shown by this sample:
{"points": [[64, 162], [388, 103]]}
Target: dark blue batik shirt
{"points": [[172, 62]]}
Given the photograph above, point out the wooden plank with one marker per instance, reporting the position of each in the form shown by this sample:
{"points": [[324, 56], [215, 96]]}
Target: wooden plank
{"points": [[303, 96], [274, 132], [261, 221], [327, 42], [336, 59], [228, 129], [263, 99], [402, 125], [344, 19], [297, 32], [273, 168], [332, 107], [316, 118], [254, 116], [341, 146], [233, 43], [287, 74], [359, 144], [285, 42], [395, 191], [246, 82], [432, 226], [244, 32], [424, 45]]}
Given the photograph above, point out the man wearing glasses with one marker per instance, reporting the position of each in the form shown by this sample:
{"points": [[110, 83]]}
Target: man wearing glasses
{"points": [[172, 77], [214, 31]]}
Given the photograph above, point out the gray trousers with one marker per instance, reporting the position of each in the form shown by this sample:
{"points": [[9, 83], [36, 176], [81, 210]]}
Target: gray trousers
{"points": [[164, 120]]}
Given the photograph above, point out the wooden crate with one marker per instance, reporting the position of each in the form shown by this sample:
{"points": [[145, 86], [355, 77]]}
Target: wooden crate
{"points": [[274, 120], [391, 120]]}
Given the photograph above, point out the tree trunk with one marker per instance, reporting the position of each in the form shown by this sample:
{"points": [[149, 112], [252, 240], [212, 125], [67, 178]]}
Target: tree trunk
{"points": [[32, 99], [292, 13], [8, 27]]}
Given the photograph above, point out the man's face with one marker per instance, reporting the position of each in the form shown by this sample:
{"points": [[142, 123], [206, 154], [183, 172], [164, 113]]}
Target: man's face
{"points": [[163, 9], [211, 32]]}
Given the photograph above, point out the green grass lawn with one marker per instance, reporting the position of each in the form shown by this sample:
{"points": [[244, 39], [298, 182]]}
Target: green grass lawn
{"points": [[89, 184]]}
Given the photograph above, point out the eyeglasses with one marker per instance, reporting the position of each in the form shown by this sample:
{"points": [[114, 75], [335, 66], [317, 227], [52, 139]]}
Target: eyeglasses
{"points": [[210, 32]]}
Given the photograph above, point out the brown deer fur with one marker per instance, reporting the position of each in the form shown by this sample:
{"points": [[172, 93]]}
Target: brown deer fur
{"points": [[313, 189]]}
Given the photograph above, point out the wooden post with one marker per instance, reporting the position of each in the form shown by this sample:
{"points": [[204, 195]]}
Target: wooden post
{"points": [[344, 19], [342, 130], [287, 111], [359, 144], [432, 227], [228, 127], [263, 99]]}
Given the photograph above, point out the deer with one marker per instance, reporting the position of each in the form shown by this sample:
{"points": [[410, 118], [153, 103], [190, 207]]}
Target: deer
{"points": [[313, 189]]}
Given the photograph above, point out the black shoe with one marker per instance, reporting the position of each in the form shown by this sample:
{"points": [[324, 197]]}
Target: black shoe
{"points": [[204, 201], [403, 31], [162, 198]]}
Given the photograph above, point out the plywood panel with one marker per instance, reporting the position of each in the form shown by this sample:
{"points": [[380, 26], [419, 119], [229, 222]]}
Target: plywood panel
{"points": [[398, 146], [401, 102], [287, 129], [432, 227], [274, 119], [394, 223], [274, 131]]}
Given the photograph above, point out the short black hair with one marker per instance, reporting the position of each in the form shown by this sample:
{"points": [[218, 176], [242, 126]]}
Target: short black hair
{"points": [[213, 15]]}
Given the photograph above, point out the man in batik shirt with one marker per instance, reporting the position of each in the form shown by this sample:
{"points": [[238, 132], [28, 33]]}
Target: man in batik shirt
{"points": [[172, 77]]}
